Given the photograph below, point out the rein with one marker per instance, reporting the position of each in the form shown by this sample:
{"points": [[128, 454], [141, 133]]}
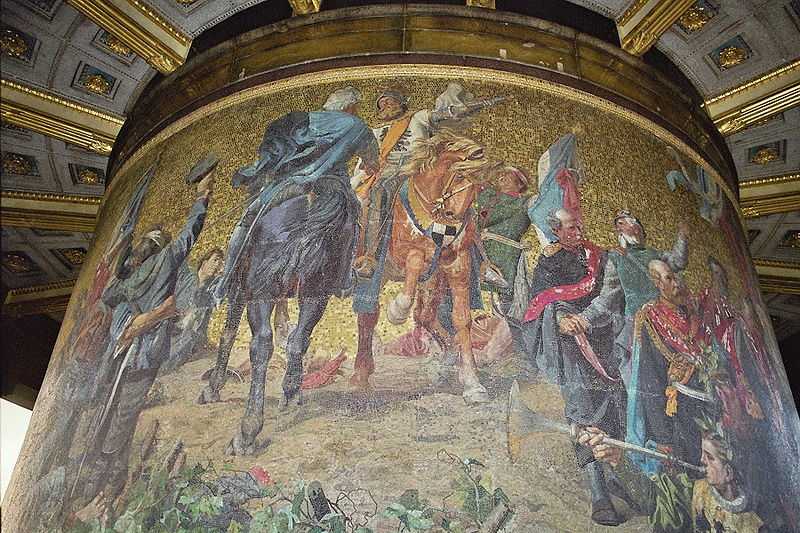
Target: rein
{"points": [[437, 205]]}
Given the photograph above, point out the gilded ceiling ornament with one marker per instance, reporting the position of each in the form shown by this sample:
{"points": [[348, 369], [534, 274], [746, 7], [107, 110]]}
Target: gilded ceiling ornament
{"points": [[97, 84], [16, 263], [731, 56], [486, 4], [75, 256], [695, 18], [16, 164], [88, 176], [116, 46], [791, 239], [305, 7], [12, 44], [186, 2], [764, 156], [100, 147], [163, 63]]}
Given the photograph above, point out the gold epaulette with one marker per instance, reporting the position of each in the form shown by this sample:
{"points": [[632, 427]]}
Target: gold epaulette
{"points": [[551, 249]]}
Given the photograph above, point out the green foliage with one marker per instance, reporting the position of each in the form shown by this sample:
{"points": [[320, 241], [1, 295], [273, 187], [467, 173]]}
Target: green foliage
{"points": [[194, 502]]}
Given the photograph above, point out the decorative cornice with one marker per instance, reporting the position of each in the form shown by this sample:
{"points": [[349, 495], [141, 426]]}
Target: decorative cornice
{"points": [[51, 197], [61, 101], [305, 7], [155, 18], [779, 285], [772, 180], [57, 117], [49, 211], [756, 100], [778, 276], [485, 4], [767, 196], [791, 265], [15, 294], [646, 20], [141, 28], [39, 299], [780, 203], [749, 85], [629, 13]]}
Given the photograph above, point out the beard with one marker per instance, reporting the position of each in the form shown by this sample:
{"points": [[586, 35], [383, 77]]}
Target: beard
{"points": [[626, 240]]}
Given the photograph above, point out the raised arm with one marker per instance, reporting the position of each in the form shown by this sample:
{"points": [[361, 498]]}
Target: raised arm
{"points": [[180, 247], [678, 257]]}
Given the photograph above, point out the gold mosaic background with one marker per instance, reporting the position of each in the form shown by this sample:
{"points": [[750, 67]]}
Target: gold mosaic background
{"points": [[625, 164]]}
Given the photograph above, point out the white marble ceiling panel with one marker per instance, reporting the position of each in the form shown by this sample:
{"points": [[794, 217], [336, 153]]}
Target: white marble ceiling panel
{"points": [[89, 39], [609, 8], [70, 44], [769, 237], [41, 256], [27, 168], [78, 171], [25, 265], [73, 74], [194, 17], [784, 305], [50, 42], [739, 22], [57, 165], [781, 133]]}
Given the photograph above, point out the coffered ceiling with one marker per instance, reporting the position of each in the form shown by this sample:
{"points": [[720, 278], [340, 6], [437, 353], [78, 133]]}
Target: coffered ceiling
{"points": [[71, 74]]}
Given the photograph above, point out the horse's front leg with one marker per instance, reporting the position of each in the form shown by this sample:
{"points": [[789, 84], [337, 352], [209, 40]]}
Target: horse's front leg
{"points": [[311, 310], [261, 347], [281, 320], [219, 375], [458, 278], [399, 308]]}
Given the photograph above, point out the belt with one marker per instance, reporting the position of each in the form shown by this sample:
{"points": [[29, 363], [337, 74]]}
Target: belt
{"points": [[489, 236]]}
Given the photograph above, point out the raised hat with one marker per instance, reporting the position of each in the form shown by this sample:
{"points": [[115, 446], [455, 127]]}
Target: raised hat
{"points": [[201, 168]]}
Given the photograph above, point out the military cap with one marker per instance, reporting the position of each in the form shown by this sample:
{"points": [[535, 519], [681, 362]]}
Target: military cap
{"points": [[201, 168], [394, 94]]}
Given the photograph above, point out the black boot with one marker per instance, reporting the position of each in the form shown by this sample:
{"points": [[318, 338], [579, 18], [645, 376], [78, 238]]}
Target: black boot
{"points": [[603, 511]]}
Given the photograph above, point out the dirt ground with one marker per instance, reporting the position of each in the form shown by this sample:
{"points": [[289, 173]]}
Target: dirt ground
{"points": [[386, 440]]}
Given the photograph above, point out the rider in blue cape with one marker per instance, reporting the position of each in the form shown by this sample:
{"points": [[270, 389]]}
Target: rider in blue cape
{"points": [[301, 183]]}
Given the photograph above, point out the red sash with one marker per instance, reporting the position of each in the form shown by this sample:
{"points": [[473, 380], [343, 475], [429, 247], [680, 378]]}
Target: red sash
{"points": [[676, 331], [568, 293]]}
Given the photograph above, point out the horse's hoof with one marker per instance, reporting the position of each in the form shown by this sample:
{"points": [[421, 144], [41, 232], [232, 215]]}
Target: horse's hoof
{"points": [[208, 396], [291, 400], [360, 380], [238, 448], [399, 309], [474, 396]]}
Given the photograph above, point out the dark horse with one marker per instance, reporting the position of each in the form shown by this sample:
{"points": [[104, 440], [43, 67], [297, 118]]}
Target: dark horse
{"points": [[295, 240]]}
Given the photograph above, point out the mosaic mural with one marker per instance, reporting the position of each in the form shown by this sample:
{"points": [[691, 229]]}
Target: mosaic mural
{"points": [[413, 299]]}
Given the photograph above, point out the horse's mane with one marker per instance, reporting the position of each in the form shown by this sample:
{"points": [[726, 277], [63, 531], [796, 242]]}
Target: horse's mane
{"points": [[426, 151]]}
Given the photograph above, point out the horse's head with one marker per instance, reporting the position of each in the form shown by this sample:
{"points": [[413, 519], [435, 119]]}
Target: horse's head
{"points": [[446, 168]]}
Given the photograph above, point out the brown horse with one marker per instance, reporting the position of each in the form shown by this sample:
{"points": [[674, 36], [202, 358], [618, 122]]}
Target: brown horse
{"points": [[431, 237]]}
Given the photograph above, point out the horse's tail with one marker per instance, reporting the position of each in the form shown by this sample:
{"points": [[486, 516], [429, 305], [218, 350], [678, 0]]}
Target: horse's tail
{"points": [[311, 245]]}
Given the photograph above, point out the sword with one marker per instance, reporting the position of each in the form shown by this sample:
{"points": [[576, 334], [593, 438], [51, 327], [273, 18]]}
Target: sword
{"points": [[588, 354], [693, 393], [522, 420], [107, 407]]}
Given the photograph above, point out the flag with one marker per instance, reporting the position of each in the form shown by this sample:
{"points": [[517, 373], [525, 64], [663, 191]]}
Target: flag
{"points": [[558, 186]]}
